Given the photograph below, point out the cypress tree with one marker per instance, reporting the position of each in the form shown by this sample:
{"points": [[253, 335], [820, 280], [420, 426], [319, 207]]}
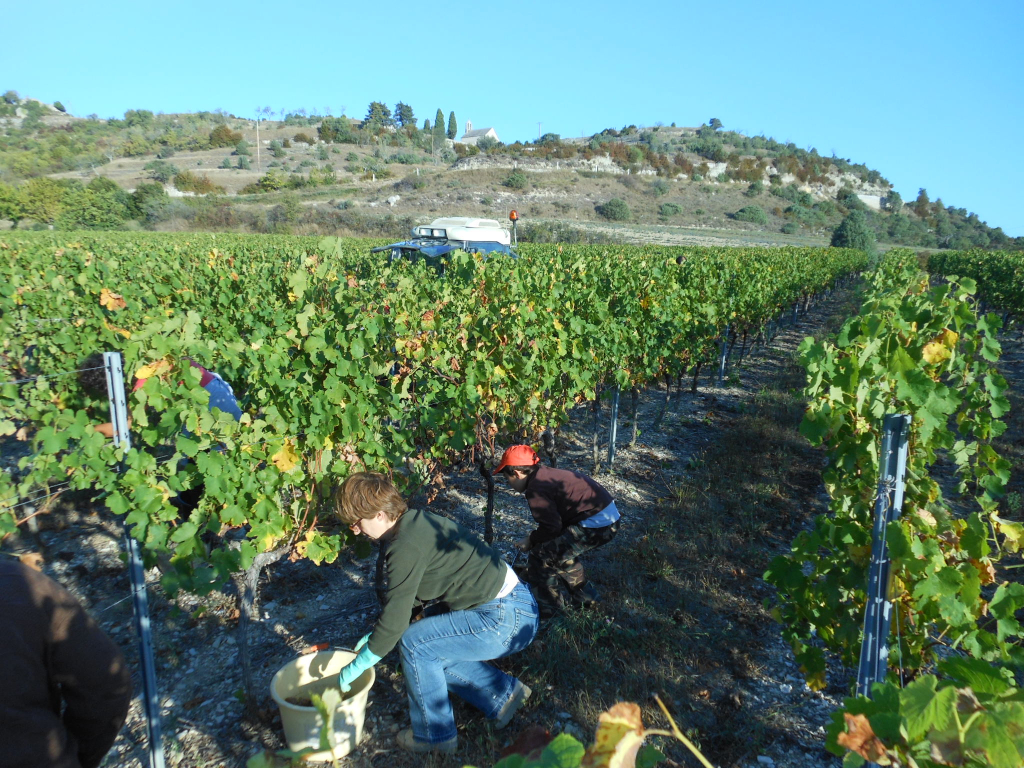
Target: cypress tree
{"points": [[453, 127]]}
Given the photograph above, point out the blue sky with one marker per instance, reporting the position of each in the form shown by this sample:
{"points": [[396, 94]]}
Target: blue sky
{"points": [[927, 93]]}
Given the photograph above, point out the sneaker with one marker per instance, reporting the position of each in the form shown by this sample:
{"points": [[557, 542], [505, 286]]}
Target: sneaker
{"points": [[519, 696], [410, 743]]}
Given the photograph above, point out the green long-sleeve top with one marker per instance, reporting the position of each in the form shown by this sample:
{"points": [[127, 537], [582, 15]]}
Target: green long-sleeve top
{"points": [[428, 558]]}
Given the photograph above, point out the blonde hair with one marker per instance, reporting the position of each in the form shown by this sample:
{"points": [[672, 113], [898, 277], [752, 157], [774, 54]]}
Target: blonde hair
{"points": [[364, 494]]}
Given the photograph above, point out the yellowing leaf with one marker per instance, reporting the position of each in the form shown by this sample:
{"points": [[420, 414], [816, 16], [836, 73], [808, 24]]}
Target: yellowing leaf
{"points": [[940, 349], [620, 733], [1014, 533], [112, 301], [935, 353], [286, 459], [152, 369], [122, 331]]}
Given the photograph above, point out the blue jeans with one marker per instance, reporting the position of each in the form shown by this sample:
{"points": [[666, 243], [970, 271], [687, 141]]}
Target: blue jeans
{"points": [[449, 653]]}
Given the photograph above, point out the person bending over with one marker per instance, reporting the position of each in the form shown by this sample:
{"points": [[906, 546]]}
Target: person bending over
{"points": [[473, 609], [574, 514]]}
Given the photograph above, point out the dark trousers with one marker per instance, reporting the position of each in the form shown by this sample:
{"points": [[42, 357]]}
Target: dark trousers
{"points": [[556, 562]]}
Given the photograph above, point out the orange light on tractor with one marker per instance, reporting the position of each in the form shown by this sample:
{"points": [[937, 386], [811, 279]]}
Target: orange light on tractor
{"points": [[513, 216]]}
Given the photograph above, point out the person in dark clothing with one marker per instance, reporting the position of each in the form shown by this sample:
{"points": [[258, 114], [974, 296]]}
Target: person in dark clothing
{"points": [[474, 610], [64, 685], [574, 514]]}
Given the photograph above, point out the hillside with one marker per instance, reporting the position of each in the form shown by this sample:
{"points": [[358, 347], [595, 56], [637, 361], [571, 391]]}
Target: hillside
{"points": [[325, 175]]}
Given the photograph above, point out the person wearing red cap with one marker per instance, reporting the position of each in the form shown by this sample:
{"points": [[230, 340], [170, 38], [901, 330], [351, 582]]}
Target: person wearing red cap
{"points": [[574, 514]]}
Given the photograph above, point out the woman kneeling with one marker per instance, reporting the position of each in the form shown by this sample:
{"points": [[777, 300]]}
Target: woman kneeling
{"points": [[471, 605]]}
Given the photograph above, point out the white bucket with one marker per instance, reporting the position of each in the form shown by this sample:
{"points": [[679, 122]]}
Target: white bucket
{"points": [[316, 673]]}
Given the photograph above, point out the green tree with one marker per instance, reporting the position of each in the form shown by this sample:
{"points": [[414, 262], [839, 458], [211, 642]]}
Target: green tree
{"points": [[854, 232], [43, 199], [614, 210], [378, 116], [453, 127], [439, 133], [11, 206], [335, 130], [404, 116], [715, 123], [146, 196], [160, 170], [138, 118], [95, 207], [59, 107], [485, 143], [894, 202], [922, 205], [426, 124], [11, 97]]}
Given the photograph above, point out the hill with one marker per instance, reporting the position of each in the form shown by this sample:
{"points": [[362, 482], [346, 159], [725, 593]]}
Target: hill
{"points": [[314, 174]]}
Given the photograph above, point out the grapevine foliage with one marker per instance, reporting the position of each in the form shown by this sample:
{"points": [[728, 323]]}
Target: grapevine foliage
{"points": [[918, 348], [342, 362]]}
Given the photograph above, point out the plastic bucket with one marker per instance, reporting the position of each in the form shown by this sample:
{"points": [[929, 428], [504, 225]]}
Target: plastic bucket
{"points": [[316, 673]]}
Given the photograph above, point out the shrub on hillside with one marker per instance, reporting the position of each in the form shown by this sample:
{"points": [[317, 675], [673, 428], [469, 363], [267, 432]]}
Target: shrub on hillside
{"points": [[614, 210], [790, 228], [302, 138], [753, 213], [222, 136], [755, 189], [59, 107], [659, 188], [277, 149], [515, 180], [403, 158], [160, 170], [186, 181], [670, 209], [242, 148]]}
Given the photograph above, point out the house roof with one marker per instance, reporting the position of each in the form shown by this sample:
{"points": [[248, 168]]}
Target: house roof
{"points": [[476, 133]]}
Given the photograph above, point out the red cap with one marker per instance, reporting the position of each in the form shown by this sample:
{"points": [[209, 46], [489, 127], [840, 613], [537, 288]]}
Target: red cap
{"points": [[518, 456]]}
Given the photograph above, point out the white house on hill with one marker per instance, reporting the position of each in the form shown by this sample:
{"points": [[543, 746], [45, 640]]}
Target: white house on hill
{"points": [[471, 136]]}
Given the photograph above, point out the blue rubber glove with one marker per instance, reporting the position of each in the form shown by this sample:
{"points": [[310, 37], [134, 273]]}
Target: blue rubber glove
{"points": [[362, 662], [362, 641]]}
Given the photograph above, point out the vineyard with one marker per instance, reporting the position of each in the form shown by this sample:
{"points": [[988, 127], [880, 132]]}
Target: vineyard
{"points": [[343, 363]]}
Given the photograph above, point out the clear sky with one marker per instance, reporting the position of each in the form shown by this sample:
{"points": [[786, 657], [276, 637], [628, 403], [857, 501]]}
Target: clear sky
{"points": [[927, 93]]}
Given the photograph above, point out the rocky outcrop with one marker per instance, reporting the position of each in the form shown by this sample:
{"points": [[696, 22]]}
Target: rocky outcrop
{"points": [[602, 164]]}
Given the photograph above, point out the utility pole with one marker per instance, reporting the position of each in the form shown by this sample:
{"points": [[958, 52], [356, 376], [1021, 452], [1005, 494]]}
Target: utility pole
{"points": [[258, 168], [538, 131]]}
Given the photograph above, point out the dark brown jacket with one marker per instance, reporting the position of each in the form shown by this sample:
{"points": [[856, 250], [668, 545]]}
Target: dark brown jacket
{"points": [[559, 498], [64, 686]]}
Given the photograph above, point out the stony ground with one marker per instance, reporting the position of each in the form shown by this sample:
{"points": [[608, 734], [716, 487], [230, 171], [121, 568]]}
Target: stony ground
{"points": [[198, 663]]}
